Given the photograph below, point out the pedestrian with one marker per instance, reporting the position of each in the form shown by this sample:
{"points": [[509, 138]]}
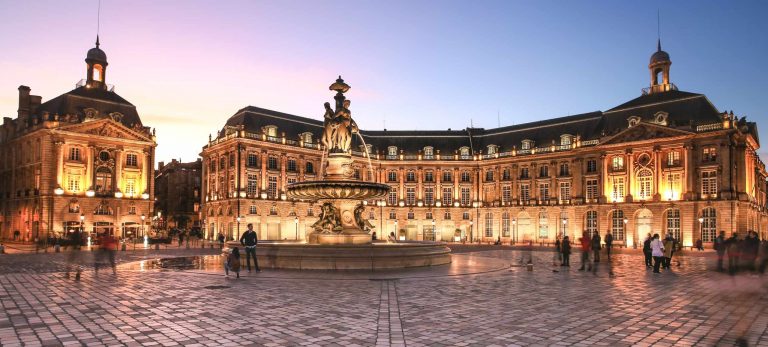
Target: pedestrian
{"points": [[558, 255], [586, 246], [720, 249], [221, 240], [74, 258], [565, 247], [232, 263], [608, 243], [373, 236], [669, 249], [699, 245], [751, 248], [107, 249], [732, 246], [249, 240], [647, 251], [763, 256], [391, 238], [657, 251], [596, 246]]}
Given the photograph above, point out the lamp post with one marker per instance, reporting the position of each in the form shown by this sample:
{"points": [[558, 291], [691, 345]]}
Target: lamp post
{"points": [[514, 230], [296, 223], [562, 231], [701, 229], [397, 232], [82, 229], [471, 224], [238, 227], [143, 232], [625, 231]]}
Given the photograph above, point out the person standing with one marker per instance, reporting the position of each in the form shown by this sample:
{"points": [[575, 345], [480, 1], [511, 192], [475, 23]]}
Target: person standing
{"points": [[233, 263], [669, 247], [586, 245], [647, 251], [74, 257], [608, 243], [181, 238], [720, 249], [221, 240], [249, 240], [596, 246], [732, 246], [107, 249], [657, 251], [557, 257], [751, 248], [565, 246]]}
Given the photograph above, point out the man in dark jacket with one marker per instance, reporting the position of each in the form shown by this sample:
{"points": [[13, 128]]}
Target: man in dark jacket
{"points": [[608, 243], [565, 246], [733, 247], [720, 249], [596, 246], [249, 240], [647, 251]]}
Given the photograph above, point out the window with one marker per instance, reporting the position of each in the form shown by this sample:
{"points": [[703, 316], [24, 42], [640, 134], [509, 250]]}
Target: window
{"points": [[428, 152], [543, 225], [645, 184], [464, 152], [429, 176], [291, 165], [709, 154], [708, 224], [392, 201], [673, 158], [291, 180], [131, 160], [252, 210], [617, 163], [371, 214], [489, 176], [392, 176], [410, 196], [311, 212], [673, 186], [505, 224], [544, 171], [466, 176], [272, 187], [505, 174], [591, 165], [527, 144], [466, 199], [212, 165], [130, 187], [73, 182], [253, 160], [447, 177], [310, 168], [617, 225], [231, 160], [525, 193], [103, 181], [391, 151], [565, 191], [392, 214], [429, 196], [74, 154], [488, 224], [465, 215], [410, 176], [592, 189], [673, 223], [272, 163], [273, 210], [447, 215], [131, 209], [543, 191], [617, 189], [306, 137], [591, 223], [252, 185], [102, 210], [506, 195], [492, 149], [709, 182], [222, 163], [524, 172], [270, 130], [356, 174], [410, 214], [565, 140], [104, 156], [447, 196]]}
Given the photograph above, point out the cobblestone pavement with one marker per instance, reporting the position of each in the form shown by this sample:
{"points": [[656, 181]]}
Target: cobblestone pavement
{"points": [[479, 300]]}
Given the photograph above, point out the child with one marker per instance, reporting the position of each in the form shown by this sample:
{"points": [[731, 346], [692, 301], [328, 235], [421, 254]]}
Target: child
{"points": [[233, 262]]}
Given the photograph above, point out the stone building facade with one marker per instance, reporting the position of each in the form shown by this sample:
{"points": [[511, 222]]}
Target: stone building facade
{"points": [[83, 158], [177, 193], [667, 161]]}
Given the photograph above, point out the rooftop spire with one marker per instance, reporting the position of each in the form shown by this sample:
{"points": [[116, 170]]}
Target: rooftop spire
{"points": [[97, 40], [658, 47]]}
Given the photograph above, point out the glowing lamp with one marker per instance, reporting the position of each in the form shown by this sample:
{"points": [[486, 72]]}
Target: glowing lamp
{"points": [[420, 204], [118, 194], [90, 193], [401, 204], [242, 193], [263, 195], [58, 191], [145, 196], [456, 204], [438, 204]]}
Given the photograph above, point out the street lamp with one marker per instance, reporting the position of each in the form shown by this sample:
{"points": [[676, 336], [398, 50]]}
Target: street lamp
{"points": [[625, 231], [701, 229], [514, 230], [296, 223], [143, 217], [82, 230], [471, 223], [238, 227]]}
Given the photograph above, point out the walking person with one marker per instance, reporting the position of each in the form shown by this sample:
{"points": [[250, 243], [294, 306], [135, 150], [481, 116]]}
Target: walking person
{"points": [[596, 246], [608, 243], [669, 248], [221, 240], [586, 246], [74, 258], [249, 240], [232, 263], [657, 251], [565, 247], [557, 257], [647, 251], [107, 249], [751, 248], [720, 249]]}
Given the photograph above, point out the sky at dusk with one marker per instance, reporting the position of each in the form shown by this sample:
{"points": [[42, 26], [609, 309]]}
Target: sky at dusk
{"points": [[188, 65]]}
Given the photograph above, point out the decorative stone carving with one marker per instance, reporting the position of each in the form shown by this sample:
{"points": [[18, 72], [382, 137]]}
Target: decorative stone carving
{"points": [[329, 221], [116, 116], [91, 113]]}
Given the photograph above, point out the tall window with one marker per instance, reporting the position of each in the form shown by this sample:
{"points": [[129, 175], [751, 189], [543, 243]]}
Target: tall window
{"points": [[644, 184], [447, 177], [103, 181], [465, 215], [492, 149], [544, 171], [544, 191], [291, 165], [392, 199], [505, 224], [392, 176], [673, 186], [617, 225], [673, 223], [506, 174], [489, 176], [591, 165], [428, 152], [709, 224], [392, 214], [466, 177], [222, 163], [565, 191], [253, 160], [524, 173], [617, 191], [709, 182], [447, 196], [564, 169], [543, 225], [73, 181], [527, 144], [232, 160], [591, 223], [673, 158], [252, 186], [466, 199], [429, 196], [709, 154], [429, 176], [410, 215], [525, 193], [130, 187], [565, 140], [506, 194], [410, 176], [617, 163], [131, 160], [310, 168], [464, 152], [272, 163], [410, 196], [252, 209], [74, 154], [488, 224], [272, 187]]}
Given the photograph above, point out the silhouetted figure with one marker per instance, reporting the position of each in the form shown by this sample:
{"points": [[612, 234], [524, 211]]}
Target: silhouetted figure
{"points": [[596, 247], [720, 248], [732, 245], [647, 251], [669, 249], [657, 251], [250, 239], [608, 243], [232, 263], [586, 247], [566, 250], [74, 258]]}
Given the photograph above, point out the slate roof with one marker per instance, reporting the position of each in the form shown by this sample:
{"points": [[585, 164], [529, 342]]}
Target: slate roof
{"points": [[80, 98]]}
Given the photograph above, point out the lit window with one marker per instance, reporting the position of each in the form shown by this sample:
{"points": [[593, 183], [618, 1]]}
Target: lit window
{"points": [[525, 193], [645, 184], [272, 187], [543, 225], [591, 189], [527, 144], [543, 191], [410, 196], [709, 182], [429, 196], [428, 152], [617, 225], [673, 158], [506, 194], [103, 181], [617, 191], [130, 187], [618, 163], [252, 209], [673, 223], [252, 186], [565, 191], [709, 154], [489, 224], [492, 149], [131, 160], [392, 201], [708, 224], [505, 224], [464, 152], [466, 199], [447, 196], [74, 154], [591, 223], [391, 151], [565, 140]]}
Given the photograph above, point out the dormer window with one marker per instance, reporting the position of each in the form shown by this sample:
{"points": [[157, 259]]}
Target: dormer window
{"points": [[527, 144], [464, 151], [270, 130], [634, 120], [660, 118], [306, 137], [492, 149], [392, 151], [566, 140], [428, 152]]}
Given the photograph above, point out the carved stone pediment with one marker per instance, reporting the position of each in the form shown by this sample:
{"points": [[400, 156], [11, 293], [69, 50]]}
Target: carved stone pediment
{"points": [[645, 131], [106, 127]]}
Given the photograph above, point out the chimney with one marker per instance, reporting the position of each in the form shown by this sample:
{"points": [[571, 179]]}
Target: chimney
{"points": [[23, 102], [160, 165], [34, 102]]}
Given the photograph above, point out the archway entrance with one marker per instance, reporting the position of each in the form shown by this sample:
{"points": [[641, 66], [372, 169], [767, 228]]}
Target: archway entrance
{"points": [[642, 225]]}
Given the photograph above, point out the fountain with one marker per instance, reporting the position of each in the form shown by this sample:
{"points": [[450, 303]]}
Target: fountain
{"points": [[338, 240]]}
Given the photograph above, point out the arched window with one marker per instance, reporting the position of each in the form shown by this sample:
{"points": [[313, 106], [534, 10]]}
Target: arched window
{"points": [[543, 225], [645, 184], [98, 73], [310, 168], [103, 210], [565, 140], [103, 181], [617, 225], [708, 224], [673, 223], [591, 223], [492, 149]]}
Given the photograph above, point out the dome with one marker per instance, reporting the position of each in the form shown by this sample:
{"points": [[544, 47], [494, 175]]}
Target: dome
{"points": [[659, 56], [96, 54]]}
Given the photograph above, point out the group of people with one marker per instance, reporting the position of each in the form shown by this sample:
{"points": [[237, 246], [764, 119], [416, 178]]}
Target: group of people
{"points": [[658, 250], [105, 253], [745, 253], [590, 250]]}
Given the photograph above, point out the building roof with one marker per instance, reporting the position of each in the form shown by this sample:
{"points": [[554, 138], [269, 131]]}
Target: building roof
{"points": [[81, 98]]}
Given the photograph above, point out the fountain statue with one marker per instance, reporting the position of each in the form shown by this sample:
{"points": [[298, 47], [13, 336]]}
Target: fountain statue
{"points": [[341, 220]]}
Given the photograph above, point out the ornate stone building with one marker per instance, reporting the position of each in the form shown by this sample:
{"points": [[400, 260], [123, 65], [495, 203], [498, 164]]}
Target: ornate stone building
{"points": [[667, 161], [83, 158], [177, 193]]}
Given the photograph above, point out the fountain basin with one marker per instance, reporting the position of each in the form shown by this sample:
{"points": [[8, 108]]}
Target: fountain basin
{"points": [[356, 190], [373, 256]]}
